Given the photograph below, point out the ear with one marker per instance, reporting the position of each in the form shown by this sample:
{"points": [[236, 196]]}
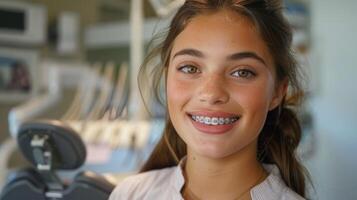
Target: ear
{"points": [[279, 94]]}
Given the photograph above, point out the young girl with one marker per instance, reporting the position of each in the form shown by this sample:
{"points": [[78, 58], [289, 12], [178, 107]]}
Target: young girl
{"points": [[230, 133]]}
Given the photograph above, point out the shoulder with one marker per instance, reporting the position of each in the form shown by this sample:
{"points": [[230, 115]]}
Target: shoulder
{"points": [[289, 194], [140, 185], [274, 188]]}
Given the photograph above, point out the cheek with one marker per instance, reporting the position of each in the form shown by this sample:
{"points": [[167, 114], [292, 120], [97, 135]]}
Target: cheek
{"points": [[174, 89], [178, 95], [259, 98], [178, 92], [255, 99]]}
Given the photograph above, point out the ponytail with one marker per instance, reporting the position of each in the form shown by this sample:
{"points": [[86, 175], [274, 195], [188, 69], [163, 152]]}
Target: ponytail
{"points": [[277, 145]]}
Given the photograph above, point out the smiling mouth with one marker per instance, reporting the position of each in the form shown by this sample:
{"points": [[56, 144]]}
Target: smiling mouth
{"points": [[214, 121]]}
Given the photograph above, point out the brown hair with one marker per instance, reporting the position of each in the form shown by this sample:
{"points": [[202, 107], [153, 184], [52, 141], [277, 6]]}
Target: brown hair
{"points": [[281, 133]]}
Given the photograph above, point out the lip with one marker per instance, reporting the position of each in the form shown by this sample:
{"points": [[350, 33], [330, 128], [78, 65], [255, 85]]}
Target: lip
{"points": [[209, 129]]}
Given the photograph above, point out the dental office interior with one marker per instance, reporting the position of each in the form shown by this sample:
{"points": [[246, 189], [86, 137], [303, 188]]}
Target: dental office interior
{"points": [[68, 80]]}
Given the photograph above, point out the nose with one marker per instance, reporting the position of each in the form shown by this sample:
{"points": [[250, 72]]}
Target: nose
{"points": [[213, 91]]}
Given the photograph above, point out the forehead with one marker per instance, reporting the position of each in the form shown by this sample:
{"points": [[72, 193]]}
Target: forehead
{"points": [[222, 32]]}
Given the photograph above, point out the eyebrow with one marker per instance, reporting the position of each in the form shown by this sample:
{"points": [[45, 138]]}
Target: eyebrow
{"points": [[246, 54], [235, 56], [190, 52]]}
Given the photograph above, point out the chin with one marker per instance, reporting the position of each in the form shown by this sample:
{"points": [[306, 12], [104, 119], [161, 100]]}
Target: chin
{"points": [[220, 151], [214, 152]]}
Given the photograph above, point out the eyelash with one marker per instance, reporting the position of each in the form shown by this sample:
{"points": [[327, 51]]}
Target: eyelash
{"points": [[250, 74], [184, 69]]}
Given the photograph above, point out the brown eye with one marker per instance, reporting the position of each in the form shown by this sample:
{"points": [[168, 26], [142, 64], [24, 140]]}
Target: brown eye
{"points": [[243, 73], [188, 69]]}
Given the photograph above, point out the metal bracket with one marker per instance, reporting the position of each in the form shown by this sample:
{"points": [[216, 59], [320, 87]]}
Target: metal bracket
{"points": [[42, 152], [43, 155]]}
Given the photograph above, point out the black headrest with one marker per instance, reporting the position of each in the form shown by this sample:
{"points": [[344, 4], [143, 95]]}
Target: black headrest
{"points": [[95, 181], [68, 150]]}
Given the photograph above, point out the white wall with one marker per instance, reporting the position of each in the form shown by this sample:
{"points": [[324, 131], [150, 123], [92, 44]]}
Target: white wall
{"points": [[334, 32]]}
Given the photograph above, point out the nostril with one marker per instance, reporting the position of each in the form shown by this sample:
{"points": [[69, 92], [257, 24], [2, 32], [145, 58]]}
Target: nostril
{"points": [[214, 99], [213, 93]]}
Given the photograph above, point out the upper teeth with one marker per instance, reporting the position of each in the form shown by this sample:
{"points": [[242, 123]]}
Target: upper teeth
{"points": [[214, 120]]}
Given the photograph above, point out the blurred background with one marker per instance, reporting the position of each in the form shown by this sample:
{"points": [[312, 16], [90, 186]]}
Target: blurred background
{"points": [[77, 61]]}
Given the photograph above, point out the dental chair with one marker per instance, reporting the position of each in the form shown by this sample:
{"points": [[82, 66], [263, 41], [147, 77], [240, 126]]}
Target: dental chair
{"points": [[50, 146]]}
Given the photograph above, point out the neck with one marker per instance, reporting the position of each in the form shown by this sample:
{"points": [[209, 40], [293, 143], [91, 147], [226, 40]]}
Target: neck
{"points": [[223, 178]]}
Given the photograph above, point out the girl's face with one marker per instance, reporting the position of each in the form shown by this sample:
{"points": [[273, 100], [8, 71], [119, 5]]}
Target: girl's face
{"points": [[220, 84]]}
